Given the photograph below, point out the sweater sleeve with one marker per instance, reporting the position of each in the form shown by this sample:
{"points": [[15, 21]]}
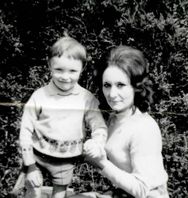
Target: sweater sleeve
{"points": [[124, 180], [146, 161], [146, 154], [29, 116], [95, 121]]}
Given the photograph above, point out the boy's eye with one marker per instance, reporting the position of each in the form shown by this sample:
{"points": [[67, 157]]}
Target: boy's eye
{"points": [[106, 85], [58, 69]]}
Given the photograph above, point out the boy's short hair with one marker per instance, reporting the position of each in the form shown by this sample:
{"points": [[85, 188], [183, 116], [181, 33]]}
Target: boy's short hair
{"points": [[69, 47]]}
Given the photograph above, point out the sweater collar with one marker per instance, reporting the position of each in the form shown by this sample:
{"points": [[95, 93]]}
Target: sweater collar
{"points": [[114, 116]]}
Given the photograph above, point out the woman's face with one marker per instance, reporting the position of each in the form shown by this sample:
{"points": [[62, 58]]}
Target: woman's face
{"points": [[117, 89]]}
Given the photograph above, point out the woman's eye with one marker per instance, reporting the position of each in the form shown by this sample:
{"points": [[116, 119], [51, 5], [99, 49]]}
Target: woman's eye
{"points": [[106, 85], [120, 85], [73, 71]]}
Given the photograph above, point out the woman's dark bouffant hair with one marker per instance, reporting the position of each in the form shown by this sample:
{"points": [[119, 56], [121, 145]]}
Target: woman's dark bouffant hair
{"points": [[133, 63]]}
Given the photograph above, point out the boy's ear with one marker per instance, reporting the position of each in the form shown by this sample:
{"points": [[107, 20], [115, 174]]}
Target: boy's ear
{"points": [[83, 68], [84, 64]]}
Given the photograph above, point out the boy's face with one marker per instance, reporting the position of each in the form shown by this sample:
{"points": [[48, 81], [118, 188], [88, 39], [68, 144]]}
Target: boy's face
{"points": [[65, 72]]}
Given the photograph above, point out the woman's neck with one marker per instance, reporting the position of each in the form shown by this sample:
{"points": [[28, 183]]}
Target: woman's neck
{"points": [[127, 112]]}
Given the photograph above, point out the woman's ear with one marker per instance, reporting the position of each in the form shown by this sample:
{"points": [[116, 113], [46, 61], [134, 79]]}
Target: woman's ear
{"points": [[49, 63], [49, 67]]}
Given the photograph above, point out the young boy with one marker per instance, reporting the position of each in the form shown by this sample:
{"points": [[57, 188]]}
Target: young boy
{"points": [[52, 127]]}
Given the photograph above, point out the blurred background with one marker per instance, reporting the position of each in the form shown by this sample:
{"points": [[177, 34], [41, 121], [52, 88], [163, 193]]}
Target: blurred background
{"points": [[158, 28]]}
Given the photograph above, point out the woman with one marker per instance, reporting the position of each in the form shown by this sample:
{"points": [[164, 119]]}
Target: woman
{"points": [[134, 164]]}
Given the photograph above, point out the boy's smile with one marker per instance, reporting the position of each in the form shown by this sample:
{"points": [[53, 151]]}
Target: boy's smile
{"points": [[65, 72]]}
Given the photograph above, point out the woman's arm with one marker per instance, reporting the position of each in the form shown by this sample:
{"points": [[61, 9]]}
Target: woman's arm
{"points": [[126, 181], [146, 160], [120, 178]]}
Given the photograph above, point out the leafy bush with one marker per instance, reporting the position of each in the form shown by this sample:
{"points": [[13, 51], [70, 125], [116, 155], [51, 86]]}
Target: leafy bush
{"points": [[159, 29]]}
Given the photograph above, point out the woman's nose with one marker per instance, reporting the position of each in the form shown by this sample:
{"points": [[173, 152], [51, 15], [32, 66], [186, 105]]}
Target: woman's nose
{"points": [[113, 92]]}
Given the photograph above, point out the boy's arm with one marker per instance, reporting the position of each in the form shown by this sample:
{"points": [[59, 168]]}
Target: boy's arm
{"points": [[96, 122], [27, 127], [100, 136]]}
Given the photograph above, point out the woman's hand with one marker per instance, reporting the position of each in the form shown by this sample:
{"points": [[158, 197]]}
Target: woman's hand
{"points": [[95, 153], [34, 178]]}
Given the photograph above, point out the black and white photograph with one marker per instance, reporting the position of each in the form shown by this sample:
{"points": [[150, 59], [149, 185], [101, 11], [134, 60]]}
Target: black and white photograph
{"points": [[93, 99]]}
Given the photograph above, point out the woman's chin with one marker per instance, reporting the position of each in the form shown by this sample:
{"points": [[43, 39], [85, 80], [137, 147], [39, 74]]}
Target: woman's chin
{"points": [[115, 108]]}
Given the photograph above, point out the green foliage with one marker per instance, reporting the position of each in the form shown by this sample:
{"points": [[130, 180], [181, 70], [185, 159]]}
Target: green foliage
{"points": [[158, 28]]}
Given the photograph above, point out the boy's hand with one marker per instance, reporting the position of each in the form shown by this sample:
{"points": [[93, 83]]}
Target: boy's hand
{"points": [[34, 178]]}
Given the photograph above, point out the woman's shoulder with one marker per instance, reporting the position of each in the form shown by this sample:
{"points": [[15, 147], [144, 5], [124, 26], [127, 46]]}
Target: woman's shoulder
{"points": [[146, 132], [144, 119], [144, 123]]}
